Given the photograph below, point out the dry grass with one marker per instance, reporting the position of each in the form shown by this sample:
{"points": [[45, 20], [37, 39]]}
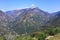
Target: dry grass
{"points": [[56, 37]]}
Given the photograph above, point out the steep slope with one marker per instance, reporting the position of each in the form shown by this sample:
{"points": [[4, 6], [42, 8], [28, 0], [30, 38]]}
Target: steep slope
{"points": [[28, 20], [55, 19], [32, 19], [14, 13], [3, 23]]}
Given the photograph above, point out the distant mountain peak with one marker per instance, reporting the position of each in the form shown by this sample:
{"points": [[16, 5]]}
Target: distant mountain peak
{"points": [[33, 6]]}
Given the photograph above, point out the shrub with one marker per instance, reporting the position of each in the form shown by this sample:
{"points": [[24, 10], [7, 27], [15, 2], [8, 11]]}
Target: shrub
{"points": [[52, 31], [39, 35]]}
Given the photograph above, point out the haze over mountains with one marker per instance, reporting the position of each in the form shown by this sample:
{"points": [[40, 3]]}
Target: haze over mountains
{"points": [[27, 20]]}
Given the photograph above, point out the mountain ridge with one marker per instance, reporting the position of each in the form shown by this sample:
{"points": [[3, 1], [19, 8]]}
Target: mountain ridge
{"points": [[29, 20]]}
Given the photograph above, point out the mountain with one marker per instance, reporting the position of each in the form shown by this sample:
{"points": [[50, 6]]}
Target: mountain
{"points": [[32, 19], [3, 23], [55, 19], [27, 20]]}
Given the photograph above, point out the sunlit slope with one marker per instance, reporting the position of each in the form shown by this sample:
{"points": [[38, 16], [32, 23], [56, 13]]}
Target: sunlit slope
{"points": [[56, 37]]}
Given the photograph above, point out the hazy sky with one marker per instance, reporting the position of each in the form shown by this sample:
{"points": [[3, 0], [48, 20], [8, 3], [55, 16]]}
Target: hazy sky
{"points": [[46, 5]]}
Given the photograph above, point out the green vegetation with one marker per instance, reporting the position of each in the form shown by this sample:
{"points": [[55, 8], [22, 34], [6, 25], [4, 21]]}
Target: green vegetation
{"points": [[52, 31], [2, 38], [41, 35]]}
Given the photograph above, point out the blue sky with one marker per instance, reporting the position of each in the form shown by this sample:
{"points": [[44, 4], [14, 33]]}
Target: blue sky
{"points": [[46, 5]]}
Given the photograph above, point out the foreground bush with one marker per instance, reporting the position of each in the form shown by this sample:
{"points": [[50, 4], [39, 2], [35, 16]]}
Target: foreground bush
{"points": [[2, 38], [39, 35]]}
